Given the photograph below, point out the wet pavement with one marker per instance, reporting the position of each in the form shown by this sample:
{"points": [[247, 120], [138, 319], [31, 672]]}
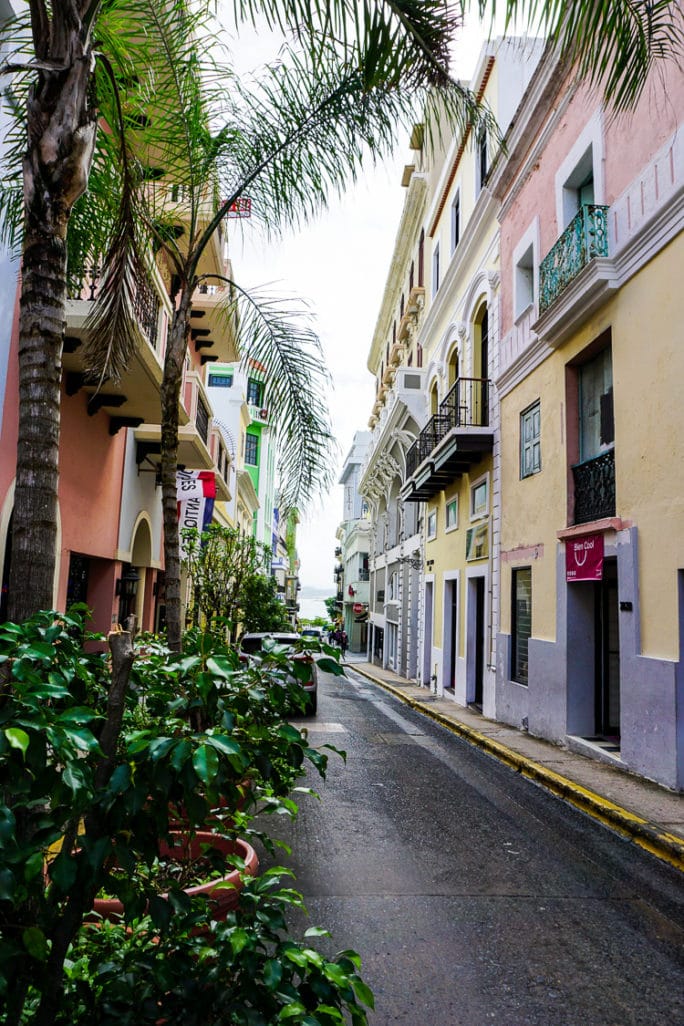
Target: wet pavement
{"points": [[650, 815]]}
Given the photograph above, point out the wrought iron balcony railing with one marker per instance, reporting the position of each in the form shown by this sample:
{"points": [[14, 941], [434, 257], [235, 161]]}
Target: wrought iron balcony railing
{"points": [[585, 237], [146, 302], [467, 402], [595, 488], [465, 405]]}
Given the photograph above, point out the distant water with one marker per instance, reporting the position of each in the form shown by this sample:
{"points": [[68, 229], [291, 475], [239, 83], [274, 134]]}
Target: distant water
{"points": [[310, 608]]}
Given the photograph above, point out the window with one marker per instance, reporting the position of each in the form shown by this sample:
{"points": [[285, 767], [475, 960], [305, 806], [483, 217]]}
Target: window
{"points": [[578, 188], [530, 440], [524, 281], [481, 161], [432, 524], [255, 392], [220, 380], [521, 623], [251, 449], [452, 514], [435, 270], [455, 221], [597, 428], [479, 498]]}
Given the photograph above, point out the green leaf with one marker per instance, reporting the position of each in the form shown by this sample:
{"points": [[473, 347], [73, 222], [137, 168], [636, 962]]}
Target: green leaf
{"points": [[223, 744], [291, 1010], [33, 866], [8, 885], [330, 666], [363, 992], [336, 975], [73, 778], [317, 931], [181, 754], [273, 973], [36, 943], [63, 872], [239, 939], [206, 762], [18, 738]]}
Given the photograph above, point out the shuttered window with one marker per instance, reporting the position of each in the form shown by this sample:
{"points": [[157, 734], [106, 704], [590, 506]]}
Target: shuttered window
{"points": [[521, 623]]}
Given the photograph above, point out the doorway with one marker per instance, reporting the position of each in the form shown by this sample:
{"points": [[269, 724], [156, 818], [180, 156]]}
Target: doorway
{"points": [[427, 635], [479, 640], [450, 634], [607, 659]]}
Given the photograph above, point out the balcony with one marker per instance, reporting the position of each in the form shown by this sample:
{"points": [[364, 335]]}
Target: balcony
{"points": [[585, 238], [135, 398], [194, 431], [595, 488], [258, 414], [212, 331], [453, 440]]}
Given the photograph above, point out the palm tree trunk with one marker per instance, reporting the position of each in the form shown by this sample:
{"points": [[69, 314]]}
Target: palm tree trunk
{"points": [[34, 533], [176, 348], [60, 145]]}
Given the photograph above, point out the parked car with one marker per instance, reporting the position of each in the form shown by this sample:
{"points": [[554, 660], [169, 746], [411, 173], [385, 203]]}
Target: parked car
{"points": [[312, 632], [252, 644]]}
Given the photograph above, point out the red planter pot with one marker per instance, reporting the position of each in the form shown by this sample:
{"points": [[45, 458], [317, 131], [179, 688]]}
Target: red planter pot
{"points": [[186, 847]]}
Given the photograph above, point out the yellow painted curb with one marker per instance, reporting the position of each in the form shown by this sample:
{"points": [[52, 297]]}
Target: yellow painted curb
{"points": [[650, 836]]}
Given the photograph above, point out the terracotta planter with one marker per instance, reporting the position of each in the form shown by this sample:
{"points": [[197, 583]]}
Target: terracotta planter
{"points": [[187, 847]]}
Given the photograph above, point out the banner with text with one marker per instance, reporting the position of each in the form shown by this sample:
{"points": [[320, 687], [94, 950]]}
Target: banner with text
{"points": [[195, 494], [584, 558]]}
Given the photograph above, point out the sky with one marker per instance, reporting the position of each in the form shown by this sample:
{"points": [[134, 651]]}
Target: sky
{"points": [[339, 265]]}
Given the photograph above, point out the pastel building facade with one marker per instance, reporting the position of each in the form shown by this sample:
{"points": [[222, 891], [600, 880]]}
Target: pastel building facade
{"points": [[110, 544], [353, 553], [589, 650]]}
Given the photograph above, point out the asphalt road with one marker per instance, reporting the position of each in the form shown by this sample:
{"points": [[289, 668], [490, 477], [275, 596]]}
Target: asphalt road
{"points": [[473, 897]]}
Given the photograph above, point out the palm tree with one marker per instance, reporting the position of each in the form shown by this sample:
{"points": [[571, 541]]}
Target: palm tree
{"points": [[357, 73]]}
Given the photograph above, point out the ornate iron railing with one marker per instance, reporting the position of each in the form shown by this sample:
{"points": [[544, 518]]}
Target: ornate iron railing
{"points": [[146, 305], [595, 488], [466, 404], [585, 237], [202, 420], [146, 302]]}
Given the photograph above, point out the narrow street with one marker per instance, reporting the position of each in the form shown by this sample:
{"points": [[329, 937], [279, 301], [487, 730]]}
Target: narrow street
{"points": [[472, 896]]}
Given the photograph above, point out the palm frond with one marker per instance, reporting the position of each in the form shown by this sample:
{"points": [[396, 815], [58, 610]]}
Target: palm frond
{"points": [[277, 335], [303, 132], [613, 44]]}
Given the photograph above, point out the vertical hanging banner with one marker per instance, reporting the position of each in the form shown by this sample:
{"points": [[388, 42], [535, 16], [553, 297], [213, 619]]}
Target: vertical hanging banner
{"points": [[584, 558], [195, 494]]}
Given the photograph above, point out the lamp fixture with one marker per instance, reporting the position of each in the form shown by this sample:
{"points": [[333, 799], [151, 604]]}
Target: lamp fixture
{"points": [[127, 584]]}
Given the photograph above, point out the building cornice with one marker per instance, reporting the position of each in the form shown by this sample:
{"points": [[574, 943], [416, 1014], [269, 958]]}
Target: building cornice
{"points": [[411, 218]]}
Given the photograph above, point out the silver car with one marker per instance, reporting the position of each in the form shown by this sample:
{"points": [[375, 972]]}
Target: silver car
{"points": [[252, 644]]}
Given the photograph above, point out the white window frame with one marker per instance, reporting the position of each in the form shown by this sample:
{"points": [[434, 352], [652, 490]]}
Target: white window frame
{"points": [[483, 512], [431, 524], [527, 416], [456, 201], [435, 270], [529, 240], [451, 502], [591, 138]]}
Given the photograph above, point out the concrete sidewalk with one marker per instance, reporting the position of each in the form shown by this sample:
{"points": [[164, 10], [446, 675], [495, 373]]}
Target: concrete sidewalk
{"points": [[650, 815]]}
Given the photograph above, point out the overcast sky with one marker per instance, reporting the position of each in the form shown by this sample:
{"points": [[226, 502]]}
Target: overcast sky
{"points": [[339, 264]]}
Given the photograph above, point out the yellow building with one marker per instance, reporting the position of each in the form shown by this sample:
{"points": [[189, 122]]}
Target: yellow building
{"points": [[592, 481], [453, 465]]}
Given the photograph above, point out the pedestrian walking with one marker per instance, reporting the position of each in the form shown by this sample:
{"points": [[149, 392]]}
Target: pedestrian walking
{"points": [[344, 641]]}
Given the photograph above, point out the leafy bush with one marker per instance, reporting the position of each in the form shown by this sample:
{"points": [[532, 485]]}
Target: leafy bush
{"points": [[93, 771]]}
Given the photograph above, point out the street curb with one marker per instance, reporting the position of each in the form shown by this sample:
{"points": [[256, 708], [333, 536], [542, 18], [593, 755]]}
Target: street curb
{"points": [[649, 836]]}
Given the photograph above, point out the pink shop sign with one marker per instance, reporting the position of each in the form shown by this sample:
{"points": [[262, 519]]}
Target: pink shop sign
{"points": [[584, 558]]}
